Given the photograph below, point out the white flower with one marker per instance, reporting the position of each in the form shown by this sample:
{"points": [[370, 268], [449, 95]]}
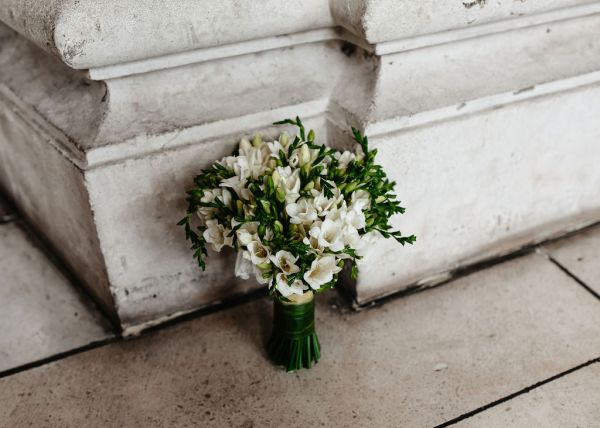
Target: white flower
{"points": [[247, 233], [351, 237], [243, 267], [361, 200], [230, 162], [258, 273], [252, 160], [258, 253], [239, 187], [288, 181], [324, 204], [294, 160], [328, 234], [321, 271], [344, 158], [285, 261], [301, 212], [286, 290], [284, 139], [217, 235], [274, 148], [355, 218], [313, 243], [245, 146], [338, 214], [306, 156]]}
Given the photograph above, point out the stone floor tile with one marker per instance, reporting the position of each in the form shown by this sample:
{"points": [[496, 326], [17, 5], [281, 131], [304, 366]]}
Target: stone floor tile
{"points": [[413, 362], [568, 402], [580, 255], [41, 313]]}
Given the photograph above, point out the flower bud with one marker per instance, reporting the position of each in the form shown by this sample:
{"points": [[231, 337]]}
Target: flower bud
{"points": [[309, 186], [284, 139], [380, 199], [266, 206], [304, 155], [311, 136], [264, 266], [261, 230], [350, 187], [257, 140], [306, 168], [244, 144], [278, 226], [280, 194], [276, 177], [273, 163], [240, 207]]}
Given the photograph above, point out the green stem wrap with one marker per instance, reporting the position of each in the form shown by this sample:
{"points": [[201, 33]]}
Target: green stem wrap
{"points": [[294, 343]]}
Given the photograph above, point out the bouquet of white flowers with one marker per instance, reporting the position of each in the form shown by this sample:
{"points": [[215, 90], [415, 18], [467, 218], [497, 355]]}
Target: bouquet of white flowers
{"points": [[296, 212]]}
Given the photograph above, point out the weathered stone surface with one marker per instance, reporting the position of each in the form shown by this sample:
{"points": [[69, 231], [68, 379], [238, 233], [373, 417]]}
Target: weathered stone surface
{"points": [[580, 255], [443, 99], [41, 313], [52, 194], [487, 184], [384, 20], [570, 401], [89, 33], [417, 361]]}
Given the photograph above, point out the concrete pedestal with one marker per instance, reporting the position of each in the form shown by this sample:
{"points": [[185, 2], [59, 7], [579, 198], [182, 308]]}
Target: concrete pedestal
{"points": [[484, 113]]}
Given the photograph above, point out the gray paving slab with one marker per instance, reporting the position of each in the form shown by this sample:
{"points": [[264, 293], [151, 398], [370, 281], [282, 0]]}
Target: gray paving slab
{"points": [[571, 401], [413, 362], [41, 313], [580, 254]]}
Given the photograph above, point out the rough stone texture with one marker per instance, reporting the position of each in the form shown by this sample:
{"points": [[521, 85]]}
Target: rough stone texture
{"points": [[417, 361], [485, 184], [90, 33], [397, 92], [180, 87], [383, 20], [571, 401], [52, 194], [580, 254], [41, 313]]}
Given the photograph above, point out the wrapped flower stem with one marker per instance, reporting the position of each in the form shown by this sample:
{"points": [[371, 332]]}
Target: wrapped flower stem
{"points": [[294, 343]]}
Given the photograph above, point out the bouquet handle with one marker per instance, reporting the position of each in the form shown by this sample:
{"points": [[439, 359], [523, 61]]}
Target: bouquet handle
{"points": [[294, 343]]}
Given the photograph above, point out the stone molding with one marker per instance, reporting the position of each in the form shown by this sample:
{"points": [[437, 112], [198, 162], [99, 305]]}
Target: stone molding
{"points": [[142, 116]]}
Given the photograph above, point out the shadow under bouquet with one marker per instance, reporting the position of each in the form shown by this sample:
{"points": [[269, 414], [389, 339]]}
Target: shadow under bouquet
{"points": [[296, 211]]}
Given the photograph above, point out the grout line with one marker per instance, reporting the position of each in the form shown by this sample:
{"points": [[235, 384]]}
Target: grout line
{"points": [[572, 275], [10, 214], [454, 275], [231, 302], [43, 245], [8, 218], [89, 300], [56, 357], [467, 270], [516, 394]]}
